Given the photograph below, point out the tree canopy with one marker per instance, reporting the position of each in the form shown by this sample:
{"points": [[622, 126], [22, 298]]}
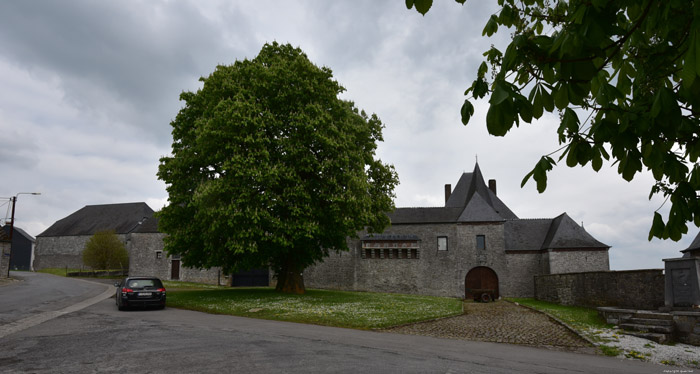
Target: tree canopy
{"points": [[104, 251], [623, 77], [270, 168]]}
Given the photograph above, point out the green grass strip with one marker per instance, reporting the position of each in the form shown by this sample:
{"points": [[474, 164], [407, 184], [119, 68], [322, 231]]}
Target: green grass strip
{"points": [[360, 310], [580, 318]]}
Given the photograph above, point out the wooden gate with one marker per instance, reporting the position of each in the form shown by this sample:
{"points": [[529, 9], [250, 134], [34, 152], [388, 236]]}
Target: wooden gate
{"points": [[175, 269], [481, 280]]}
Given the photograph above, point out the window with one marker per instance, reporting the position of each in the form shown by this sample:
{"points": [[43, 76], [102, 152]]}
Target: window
{"points": [[159, 255], [442, 243], [390, 246], [481, 242]]}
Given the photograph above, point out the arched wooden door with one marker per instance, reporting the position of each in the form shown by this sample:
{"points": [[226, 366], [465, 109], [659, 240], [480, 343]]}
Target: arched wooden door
{"points": [[480, 280]]}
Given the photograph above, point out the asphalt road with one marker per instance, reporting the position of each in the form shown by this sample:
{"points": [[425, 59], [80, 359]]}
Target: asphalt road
{"points": [[101, 339]]}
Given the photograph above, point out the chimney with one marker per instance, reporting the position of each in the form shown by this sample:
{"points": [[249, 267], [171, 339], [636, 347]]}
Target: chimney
{"points": [[448, 192], [492, 186]]}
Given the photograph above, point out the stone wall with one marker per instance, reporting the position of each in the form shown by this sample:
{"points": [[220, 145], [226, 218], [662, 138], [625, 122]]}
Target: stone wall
{"points": [[62, 251], [634, 289], [687, 327], [147, 256], [522, 268], [4, 258], [432, 272], [568, 261]]}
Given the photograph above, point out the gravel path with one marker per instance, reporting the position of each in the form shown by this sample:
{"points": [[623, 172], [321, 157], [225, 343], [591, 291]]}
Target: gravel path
{"points": [[504, 322], [501, 322]]}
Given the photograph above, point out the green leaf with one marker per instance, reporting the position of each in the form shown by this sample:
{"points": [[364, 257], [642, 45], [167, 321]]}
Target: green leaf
{"points": [[491, 26], [537, 102], [500, 93], [505, 17], [596, 161], [561, 96], [467, 112], [422, 6], [570, 121], [547, 101], [657, 227], [483, 69]]}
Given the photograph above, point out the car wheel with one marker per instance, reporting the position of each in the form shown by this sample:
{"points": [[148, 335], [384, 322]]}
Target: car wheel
{"points": [[121, 307]]}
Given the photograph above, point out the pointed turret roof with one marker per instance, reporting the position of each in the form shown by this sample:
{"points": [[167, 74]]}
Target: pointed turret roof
{"points": [[478, 202], [471, 201]]}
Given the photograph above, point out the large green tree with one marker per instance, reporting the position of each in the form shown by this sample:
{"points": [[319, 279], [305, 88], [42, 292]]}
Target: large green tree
{"points": [[623, 77], [270, 168], [104, 251]]}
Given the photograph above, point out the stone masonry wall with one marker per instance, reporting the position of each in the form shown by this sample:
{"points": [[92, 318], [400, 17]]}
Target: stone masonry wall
{"points": [[522, 268], [433, 272], [143, 255], [634, 289], [144, 260], [62, 251], [577, 261], [4, 258]]}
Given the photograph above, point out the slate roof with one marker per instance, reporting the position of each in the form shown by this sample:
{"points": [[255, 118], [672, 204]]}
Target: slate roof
{"points": [[548, 233], [19, 231], [694, 245], [471, 201], [122, 218], [150, 225]]}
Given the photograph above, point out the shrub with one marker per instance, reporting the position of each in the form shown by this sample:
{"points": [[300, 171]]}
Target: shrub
{"points": [[105, 251]]}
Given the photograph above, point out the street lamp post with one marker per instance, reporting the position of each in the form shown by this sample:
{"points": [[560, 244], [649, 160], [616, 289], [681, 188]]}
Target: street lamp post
{"points": [[12, 224]]}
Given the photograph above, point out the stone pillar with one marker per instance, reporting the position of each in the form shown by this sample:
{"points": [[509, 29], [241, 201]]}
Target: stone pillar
{"points": [[4, 258], [682, 282]]}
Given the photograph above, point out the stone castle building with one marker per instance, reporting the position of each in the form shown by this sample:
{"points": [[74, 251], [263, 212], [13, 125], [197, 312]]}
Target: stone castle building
{"points": [[475, 243], [472, 245]]}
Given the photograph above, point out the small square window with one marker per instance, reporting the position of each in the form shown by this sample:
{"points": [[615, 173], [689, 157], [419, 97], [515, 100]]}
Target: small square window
{"points": [[159, 255], [442, 243], [481, 242]]}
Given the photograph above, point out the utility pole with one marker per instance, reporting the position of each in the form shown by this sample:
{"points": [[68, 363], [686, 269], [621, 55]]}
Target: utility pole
{"points": [[12, 224]]}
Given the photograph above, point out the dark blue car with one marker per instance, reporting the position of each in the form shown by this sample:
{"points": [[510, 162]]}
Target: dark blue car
{"points": [[140, 292]]}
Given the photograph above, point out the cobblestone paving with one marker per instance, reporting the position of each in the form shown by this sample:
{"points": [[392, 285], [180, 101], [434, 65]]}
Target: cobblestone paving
{"points": [[500, 322]]}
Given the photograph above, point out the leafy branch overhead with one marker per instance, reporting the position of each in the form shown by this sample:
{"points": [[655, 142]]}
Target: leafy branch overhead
{"points": [[622, 75]]}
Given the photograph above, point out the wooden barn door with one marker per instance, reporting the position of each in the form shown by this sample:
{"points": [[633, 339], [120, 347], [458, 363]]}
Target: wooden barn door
{"points": [[175, 270], [479, 280]]}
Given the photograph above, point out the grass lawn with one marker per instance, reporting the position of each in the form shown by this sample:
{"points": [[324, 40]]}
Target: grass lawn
{"points": [[579, 318], [57, 271], [360, 310]]}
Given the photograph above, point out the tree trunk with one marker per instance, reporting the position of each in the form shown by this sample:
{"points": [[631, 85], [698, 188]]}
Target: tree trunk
{"points": [[290, 280]]}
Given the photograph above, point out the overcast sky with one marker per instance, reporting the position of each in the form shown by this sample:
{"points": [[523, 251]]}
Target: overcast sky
{"points": [[88, 89]]}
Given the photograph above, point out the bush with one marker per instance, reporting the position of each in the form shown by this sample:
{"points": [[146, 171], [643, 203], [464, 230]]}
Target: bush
{"points": [[105, 251]]}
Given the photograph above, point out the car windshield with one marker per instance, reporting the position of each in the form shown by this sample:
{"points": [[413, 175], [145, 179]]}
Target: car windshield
{"points": [[144, 283]]}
